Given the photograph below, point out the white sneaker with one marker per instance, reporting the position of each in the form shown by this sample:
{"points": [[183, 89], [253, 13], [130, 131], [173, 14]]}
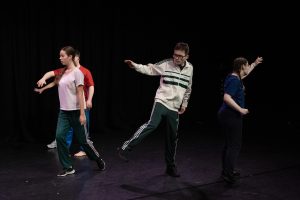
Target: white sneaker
{"points": [[67, 172], [80, 153], [52, 145]]}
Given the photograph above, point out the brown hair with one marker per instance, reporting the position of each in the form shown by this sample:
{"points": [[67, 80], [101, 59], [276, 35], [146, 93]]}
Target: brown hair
{"points": [[70, 51], [183, 47], [238, 63]]}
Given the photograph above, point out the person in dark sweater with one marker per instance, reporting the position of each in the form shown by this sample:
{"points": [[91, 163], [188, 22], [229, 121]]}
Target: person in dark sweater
{"points": [[230, 116]]}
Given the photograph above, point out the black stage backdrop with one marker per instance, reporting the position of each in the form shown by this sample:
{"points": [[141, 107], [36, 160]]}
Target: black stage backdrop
{"points": [[32, 34]]}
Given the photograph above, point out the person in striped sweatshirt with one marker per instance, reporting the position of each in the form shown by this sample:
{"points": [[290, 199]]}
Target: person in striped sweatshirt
{"points": [[171, 99]]}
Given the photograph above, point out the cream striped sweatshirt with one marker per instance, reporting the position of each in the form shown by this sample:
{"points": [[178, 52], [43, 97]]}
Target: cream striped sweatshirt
{"points": [[175, 84]]}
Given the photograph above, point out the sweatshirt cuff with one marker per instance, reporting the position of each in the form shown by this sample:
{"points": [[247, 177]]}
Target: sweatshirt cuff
{"points": [[184, 104]]}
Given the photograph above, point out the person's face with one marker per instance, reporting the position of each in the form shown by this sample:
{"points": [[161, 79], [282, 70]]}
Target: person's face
{"points": [[64, 58], [179, 57], [245, 69]]}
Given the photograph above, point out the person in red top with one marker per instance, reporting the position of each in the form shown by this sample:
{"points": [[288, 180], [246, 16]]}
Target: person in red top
{"points": [[88, 93]]}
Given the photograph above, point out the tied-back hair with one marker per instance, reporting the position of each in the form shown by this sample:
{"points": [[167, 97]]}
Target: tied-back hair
{"points": [[77, 53], [70, 51], [237, 65]]}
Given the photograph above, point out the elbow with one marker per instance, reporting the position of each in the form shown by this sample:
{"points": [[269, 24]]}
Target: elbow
{"points": [[226, 98]]}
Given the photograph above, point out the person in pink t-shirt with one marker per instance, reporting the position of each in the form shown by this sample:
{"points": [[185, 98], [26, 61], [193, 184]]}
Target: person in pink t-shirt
{"points": [[88, 92], [70, 81]]}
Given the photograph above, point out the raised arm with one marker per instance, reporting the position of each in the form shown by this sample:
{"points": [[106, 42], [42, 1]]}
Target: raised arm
{"points": [[253, 65]]}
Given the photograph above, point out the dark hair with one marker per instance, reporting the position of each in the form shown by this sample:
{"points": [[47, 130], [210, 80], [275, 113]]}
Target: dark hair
{"points": [[70, 51], [77, 53], [238, 63], [183, 47]]}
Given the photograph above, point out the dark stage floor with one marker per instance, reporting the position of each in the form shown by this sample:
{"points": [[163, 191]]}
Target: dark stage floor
{"points": [[270, 170]]}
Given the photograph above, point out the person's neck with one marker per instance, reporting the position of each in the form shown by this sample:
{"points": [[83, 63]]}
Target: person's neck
{"points": [[182, 65], [71, 66], [235, 74]]}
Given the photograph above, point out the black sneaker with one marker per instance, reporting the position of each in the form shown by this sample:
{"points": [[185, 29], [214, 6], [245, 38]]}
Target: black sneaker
{"points": [[230, 178], [101, 164], [172, 171], [235, 173], [66, 172], [122, 154]]}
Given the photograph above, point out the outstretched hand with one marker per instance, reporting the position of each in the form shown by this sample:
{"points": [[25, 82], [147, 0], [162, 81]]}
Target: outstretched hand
{"points": [[130, 63], [258, 60], [38, 90], [41, 83], [244, 111]]}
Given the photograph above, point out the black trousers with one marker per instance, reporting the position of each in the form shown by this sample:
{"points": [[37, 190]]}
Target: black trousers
{"points": [[232, 125], [159, 113]]}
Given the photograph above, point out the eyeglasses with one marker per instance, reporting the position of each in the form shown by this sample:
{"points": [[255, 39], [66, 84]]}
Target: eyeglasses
{"points": [[178, 56]]}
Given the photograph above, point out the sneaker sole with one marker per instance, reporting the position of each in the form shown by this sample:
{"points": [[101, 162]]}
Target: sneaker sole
{"points": [[80, 154], [172, 175], [228, 180], [67, 173], [123, 158], [104, 166]]}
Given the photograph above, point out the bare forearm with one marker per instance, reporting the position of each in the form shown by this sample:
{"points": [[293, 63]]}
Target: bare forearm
{"points": [[91, 93], [50, 85], [48, 75], [80, 97], [42, 81], [231, 103], [253, 65]]}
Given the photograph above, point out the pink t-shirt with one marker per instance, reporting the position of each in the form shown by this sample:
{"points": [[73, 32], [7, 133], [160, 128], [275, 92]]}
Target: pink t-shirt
{"points": [[88, 79], [67, 90]]}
